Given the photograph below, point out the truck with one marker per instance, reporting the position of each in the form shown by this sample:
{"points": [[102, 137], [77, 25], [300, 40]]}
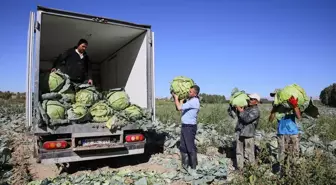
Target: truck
{"points": [[122, 55]]}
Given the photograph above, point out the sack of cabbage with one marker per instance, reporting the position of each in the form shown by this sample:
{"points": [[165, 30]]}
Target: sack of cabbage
{"points": [[68, 103]]}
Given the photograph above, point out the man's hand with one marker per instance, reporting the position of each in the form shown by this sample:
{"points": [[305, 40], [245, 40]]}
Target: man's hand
{"points": [[53, 69], [90, 82], [174, 96], [239, 109], [293, 101]]}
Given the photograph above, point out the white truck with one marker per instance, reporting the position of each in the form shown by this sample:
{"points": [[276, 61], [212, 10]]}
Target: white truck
{"points": [[122, 55]]}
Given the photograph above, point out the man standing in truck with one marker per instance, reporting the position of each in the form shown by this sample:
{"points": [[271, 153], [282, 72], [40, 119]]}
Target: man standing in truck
{"points": [[248, 120], [189, 116], [75, 63]]}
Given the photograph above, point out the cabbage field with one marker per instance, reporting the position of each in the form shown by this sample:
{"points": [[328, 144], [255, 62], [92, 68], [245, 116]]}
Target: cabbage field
{"points": [[316, 165]]}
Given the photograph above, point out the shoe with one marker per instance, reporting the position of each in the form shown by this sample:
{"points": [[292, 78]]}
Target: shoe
{"points": [[193, 160], [185, 160]]}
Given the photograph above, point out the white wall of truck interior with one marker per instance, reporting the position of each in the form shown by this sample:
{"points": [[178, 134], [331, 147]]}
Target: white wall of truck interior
{"points": [[128, 68]]}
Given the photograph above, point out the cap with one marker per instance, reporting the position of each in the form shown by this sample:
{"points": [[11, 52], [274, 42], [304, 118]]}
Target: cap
{"points": [[272, 94], [255, 96]]}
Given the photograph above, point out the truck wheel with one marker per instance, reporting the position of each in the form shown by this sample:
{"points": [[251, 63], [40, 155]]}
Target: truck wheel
{"points": [[63, 167]]}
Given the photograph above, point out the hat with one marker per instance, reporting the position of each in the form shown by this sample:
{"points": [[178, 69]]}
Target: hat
{"points": [[255, 96], [272, 94]]}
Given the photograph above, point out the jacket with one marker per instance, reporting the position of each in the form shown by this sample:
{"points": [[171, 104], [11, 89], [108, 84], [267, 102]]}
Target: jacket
{"points": [[70, 63], [248, 121]]}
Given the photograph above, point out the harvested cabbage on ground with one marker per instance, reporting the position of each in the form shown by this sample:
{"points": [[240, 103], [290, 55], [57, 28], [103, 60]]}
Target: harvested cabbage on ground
{"points": [[181, 85]]}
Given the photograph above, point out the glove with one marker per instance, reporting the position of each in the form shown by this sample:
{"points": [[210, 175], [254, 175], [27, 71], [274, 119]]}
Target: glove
{"points": [[293, 101]]}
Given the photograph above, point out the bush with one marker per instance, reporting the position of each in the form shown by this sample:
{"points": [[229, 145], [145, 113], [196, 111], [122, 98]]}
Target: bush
{"points": [[328, 95]]}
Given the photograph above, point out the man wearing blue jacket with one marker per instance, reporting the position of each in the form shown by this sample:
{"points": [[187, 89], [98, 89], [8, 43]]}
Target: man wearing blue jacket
{"points": [[189, 116]]}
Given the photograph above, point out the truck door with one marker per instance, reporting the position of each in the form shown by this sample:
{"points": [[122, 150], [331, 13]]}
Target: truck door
{"points": [[153, 76], [30, 51]]}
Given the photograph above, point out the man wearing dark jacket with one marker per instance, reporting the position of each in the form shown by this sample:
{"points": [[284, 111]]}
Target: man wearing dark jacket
{"points": [[75, 63], [248, 120]]}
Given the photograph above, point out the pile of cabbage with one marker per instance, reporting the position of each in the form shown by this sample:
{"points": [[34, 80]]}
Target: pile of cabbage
{"points": [[68, 103]]}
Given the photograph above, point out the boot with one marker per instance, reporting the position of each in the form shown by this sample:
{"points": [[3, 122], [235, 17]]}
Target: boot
{"points": [[185, 160], [193, 160]]}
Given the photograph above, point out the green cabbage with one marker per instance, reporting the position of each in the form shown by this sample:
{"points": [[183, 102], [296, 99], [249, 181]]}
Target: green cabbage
{"points": [[282, 96], [68, 92], [181, 86], [54, 109], [78, 112], [114, 122], [56, 81], [118, 100], [101, 112], [133, 112], [87, 96], [238, 98]]}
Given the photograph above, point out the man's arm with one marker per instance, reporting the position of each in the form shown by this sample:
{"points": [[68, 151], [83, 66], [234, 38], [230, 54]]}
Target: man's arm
{"points": [[61, 57], [272, 115], [297, 112], [179, 104], [248, 116]]}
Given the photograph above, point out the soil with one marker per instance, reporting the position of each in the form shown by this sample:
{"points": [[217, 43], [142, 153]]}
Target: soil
{"points": [[25, 167]]}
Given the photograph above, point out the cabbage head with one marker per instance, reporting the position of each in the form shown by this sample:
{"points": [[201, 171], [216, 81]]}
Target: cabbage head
{"points": [[238, 98], [56, 81], [87, 96], [78, 112], [118, 100], [133, 112], [101, 112], [70, 95], [54, 109], [282, 96], [114, 122], [181, 86]]}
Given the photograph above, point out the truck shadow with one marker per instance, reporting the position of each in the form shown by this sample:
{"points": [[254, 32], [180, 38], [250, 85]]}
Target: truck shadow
{"points": [[117, 162]]}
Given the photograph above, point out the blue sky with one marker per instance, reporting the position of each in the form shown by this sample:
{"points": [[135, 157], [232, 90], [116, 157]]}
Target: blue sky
{"points": [[255, 45]]}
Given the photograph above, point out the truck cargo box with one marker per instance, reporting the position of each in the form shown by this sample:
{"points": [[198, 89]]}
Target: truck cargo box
{"points": [[121, 54]]}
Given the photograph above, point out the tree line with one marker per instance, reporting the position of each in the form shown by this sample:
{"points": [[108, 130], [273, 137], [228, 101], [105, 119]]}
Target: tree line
{"points": [[328, 95], [6, 95]]}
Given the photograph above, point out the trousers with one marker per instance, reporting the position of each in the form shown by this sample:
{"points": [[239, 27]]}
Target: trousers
{"points": [[289, 145], [187, 140], [244, 151]]}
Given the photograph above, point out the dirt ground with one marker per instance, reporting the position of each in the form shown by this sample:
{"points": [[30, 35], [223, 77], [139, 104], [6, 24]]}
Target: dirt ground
{"points": [[26, 168]]}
